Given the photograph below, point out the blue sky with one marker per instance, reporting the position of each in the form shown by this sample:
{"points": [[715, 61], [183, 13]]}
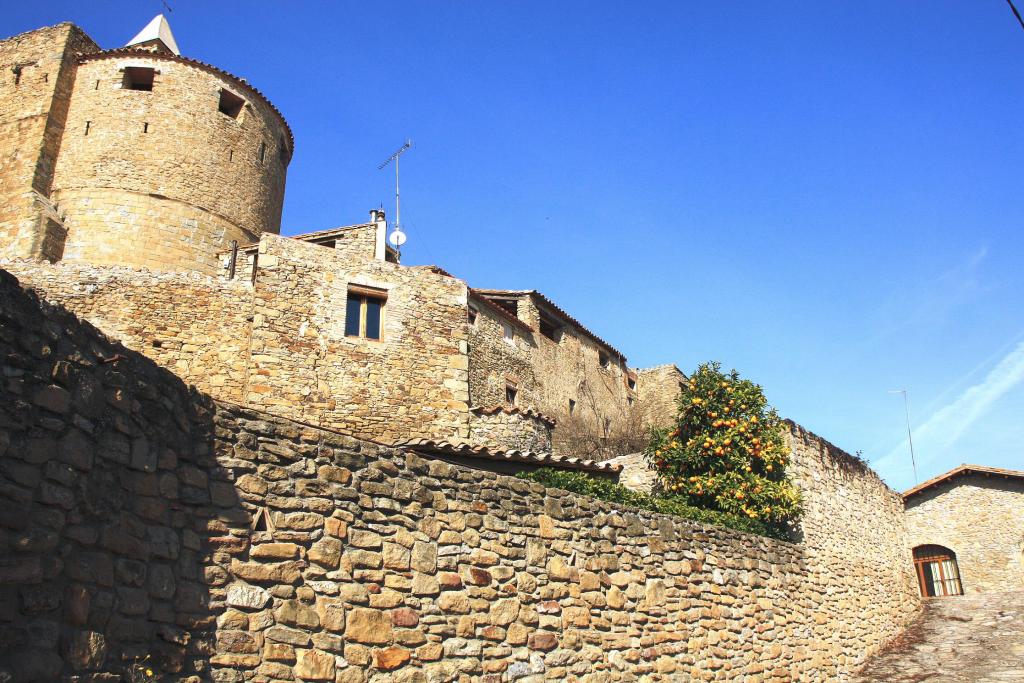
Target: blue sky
{"points": [[826, 196]]}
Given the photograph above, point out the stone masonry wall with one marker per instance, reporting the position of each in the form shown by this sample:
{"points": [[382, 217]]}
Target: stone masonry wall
{"points": [[161, 178], [657, 394], [139, 519], [979, 518], [197, 326], [495, 361], [37, 72], [505, 429]]}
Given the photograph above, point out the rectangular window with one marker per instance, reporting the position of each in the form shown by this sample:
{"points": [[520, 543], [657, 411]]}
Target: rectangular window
{"points": [[604, 359], [88, 125], [631, 383], [607, 426], [145, 127], [262, 153], [230, 104], [511, 392], [364, 312], [472, 316], [572, 406], [138, 78], [508, 333]]}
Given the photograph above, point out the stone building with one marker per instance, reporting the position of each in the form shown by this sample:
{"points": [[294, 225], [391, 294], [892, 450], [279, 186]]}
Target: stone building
{"points": [[160, 163], [966, 529], [136, 156]]}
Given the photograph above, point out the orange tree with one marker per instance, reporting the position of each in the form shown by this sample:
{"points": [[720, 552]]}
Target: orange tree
{"points": [[726, 450]]}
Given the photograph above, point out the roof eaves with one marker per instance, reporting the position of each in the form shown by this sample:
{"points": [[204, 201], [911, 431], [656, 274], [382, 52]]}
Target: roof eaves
{"points": [[957, 471], [511, 455], [504, 314]]}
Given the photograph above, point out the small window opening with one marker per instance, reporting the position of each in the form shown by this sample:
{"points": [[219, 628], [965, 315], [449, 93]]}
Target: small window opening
{"points": [[508, 333], [17, 74], [88, 125], [262, 152], [282, 151], [572, 406], [631, 383], [97, 84], [607, 425], [510, 305], [157, 344], [511, 392], [145, 127], [472, 316], [230, 104], [231, 155], [46, 78], [629, 401], [138, 78], [364, 312], [604, 359]]}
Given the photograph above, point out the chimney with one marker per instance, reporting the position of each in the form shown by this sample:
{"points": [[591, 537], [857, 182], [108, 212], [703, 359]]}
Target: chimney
{"points": [[380, 249]]}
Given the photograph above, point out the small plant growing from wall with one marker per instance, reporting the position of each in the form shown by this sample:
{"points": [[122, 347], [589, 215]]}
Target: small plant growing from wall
{"points": [[727, 450]]}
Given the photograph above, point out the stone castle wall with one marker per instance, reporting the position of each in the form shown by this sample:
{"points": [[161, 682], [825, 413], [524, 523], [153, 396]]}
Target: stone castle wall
{"points": [[657, 391], [37, 72], [162, 179], [981, 520], [140, 519]]}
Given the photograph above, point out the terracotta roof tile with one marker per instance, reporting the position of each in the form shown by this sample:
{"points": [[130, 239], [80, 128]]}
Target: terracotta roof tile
{"points": [[512, 455], [516, 410], [957, 471]]}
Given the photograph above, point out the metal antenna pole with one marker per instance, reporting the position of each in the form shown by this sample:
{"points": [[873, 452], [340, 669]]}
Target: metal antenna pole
{"points": [[398, 197], [910, 438]]}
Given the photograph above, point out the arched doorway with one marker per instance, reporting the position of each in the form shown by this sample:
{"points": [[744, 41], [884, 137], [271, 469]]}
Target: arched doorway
{"points": [[937, 573]]}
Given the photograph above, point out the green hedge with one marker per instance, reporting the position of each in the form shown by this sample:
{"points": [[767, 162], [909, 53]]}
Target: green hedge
{"points": [[579, 482]]}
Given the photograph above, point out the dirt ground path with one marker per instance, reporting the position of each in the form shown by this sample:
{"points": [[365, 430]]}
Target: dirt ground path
{"points": [[966, 639]]}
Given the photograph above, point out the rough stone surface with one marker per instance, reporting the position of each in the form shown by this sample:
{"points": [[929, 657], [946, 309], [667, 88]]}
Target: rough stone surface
{"points": [[583, 591], [964, 639]]}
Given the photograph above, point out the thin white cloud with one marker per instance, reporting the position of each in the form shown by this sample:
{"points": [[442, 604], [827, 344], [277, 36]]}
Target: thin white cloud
{"points": [[946, 425]]}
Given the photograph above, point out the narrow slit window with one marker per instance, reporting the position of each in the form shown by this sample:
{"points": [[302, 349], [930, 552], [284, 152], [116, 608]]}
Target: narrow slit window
{"points": [[230, 104], [508, 333], [262, 153], [631, 383], [88, 125], [145, 127], [572, 406], [472, 316], [17, 75], [364, 313], [138, 78], [511, 393], [607, 426], [231, 155], [97, 84], [282, 151]]}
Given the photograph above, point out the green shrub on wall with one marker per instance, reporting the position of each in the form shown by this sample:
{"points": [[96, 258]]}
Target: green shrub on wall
{"points": [[727, 450], [603, 489]]}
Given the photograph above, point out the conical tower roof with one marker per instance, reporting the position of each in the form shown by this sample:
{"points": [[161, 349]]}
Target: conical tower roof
{"points": [[156, 35]]}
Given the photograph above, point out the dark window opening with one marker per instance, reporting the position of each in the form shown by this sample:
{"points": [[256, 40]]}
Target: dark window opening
{"points": [[510, 305], [88, 125], [629, 401], [231, 155], [145, 127], [262, 153], [607, 425], [511, 392], [230, 104], [138, 78], [631, 383], [157, 344], [549, 328], [604, 359], [17, 74], [472, 316], [46, 78], [364, 312], [97, 84], [572, 406], [282, 151]]}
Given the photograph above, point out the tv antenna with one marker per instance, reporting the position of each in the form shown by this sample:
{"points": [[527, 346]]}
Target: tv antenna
{"points": [[910, 439], [397, 237]]}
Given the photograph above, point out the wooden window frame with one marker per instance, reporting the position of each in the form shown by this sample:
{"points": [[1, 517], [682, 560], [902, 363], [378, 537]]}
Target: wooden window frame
{"points": [[508, 333], [364, 294]]}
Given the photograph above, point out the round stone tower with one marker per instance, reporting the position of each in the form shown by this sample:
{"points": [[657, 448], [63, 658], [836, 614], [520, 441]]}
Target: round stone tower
{"points": [[165, 160]]}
